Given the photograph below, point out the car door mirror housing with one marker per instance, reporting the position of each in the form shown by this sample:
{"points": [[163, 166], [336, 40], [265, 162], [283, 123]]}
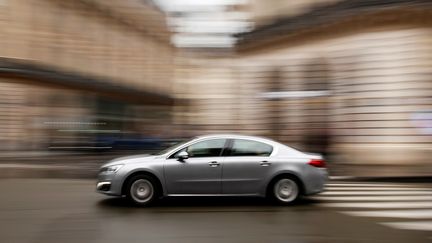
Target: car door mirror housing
{"points": [[182, 155]]}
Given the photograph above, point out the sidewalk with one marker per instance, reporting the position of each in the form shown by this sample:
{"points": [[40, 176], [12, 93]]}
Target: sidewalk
{"points": [[48, 164], [88, 171]]}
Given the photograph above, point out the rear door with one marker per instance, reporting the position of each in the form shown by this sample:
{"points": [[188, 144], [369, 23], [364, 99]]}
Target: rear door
{"points": [[246, 166]]}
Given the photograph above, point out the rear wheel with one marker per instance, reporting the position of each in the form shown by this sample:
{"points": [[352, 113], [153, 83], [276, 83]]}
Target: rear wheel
{"points": [[141, 190], [285, 191]]}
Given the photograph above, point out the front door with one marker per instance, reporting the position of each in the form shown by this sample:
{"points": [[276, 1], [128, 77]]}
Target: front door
{"points": [[200, 173]]}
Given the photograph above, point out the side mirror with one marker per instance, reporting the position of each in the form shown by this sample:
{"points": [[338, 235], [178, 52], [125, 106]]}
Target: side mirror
{"points": [[182, 156]]}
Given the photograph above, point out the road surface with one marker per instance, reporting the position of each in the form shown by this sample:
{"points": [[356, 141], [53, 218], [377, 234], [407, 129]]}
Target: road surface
{"points": [[63, 210]]}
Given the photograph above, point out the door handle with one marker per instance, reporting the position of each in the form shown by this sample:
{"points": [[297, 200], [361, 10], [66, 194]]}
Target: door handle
{"points": [[214, 164], [265, 163]]}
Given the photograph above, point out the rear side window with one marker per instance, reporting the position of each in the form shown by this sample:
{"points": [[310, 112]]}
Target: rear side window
{"points": [[243, 147]]}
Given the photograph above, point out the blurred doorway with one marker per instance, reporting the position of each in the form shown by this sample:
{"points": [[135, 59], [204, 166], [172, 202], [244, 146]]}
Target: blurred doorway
{"points": [[317, 107]]}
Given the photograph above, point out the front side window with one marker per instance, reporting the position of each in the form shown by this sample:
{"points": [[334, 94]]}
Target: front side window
{"points": [[243, 147], [172, 147], [208, 148]]}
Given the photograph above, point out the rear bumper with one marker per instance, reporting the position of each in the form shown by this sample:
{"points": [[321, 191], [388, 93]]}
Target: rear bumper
{"points": [[315, 181]]}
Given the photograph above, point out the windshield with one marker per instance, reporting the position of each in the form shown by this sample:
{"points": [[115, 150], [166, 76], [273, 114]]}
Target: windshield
{"points": [[175, 145]]}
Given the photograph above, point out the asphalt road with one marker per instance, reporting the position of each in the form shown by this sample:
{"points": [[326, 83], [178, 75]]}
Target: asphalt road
{"points": [[61, 211]]}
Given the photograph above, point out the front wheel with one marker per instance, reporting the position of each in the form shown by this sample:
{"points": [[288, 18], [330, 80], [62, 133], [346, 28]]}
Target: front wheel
{"points": [[285, 191], [141, 190]]}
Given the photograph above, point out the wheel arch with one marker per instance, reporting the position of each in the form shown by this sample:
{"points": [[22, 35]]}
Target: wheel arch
{"points": [[285, 174], [160, 189]]}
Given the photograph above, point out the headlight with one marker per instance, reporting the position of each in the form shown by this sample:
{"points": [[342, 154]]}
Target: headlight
{"points": [[111, 169]]}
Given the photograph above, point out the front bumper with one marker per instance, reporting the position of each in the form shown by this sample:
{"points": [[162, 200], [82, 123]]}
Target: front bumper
{"points": [[103, 186], [109, 184]]}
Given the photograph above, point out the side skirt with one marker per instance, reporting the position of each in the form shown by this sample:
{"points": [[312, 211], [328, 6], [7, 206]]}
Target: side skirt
{"points": [[214, 195]]}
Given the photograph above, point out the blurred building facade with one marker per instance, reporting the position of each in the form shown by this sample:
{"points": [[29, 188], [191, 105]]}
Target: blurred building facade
{"points": [[70, 70], [350, 79], [267, 12]]}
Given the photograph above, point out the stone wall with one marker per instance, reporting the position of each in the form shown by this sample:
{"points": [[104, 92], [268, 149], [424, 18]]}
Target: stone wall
{"points": [[118, 40], [363, 99]]}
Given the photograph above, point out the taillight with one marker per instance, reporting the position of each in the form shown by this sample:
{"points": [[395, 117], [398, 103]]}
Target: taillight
{"points": [[320, 163]]}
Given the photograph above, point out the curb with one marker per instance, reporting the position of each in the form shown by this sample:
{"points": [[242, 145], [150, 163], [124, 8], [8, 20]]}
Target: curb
{"points": [[390, 179], [9, 171]]}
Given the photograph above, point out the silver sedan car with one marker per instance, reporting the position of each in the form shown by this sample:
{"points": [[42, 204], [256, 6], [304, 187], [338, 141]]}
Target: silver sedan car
{"points": [[216, 165]]}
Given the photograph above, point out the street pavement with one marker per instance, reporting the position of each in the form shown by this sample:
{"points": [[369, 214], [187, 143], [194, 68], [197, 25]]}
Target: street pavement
{"points": [[65, 210], [399, 206]]}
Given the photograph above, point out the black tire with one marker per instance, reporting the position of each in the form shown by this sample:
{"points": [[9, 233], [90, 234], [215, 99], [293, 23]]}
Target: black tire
{"points": [[141, 190], [284, 190]]}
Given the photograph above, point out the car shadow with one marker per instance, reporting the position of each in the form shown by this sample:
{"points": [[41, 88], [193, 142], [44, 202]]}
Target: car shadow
{"points": [[202, 202]]}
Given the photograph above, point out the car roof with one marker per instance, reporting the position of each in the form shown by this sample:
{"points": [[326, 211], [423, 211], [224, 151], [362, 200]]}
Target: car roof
{"points": [[236, 136], [268, 141]]}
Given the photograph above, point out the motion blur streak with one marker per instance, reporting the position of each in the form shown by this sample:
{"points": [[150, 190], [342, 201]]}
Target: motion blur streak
{"points": [[86, 81], [347, 79]]}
